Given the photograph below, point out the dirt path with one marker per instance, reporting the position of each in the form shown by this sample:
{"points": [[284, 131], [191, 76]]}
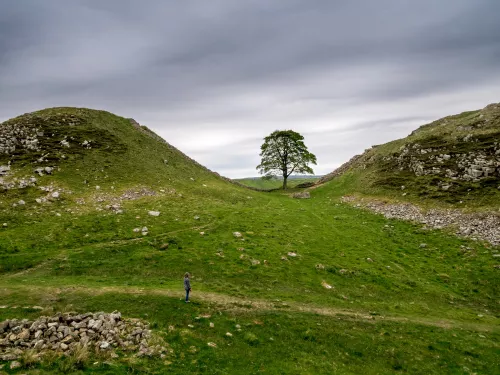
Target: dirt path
{"points": [[243, 305]]}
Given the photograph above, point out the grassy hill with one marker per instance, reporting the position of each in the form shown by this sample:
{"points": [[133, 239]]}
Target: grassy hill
{"points": [[302, 286], [454, 160]]}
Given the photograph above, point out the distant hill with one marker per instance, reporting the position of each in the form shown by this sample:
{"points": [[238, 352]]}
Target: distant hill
{"points": [[455, 159], [275, 183]]}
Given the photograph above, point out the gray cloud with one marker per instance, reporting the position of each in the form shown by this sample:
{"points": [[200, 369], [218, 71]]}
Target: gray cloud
{"points": [[215, 77]]}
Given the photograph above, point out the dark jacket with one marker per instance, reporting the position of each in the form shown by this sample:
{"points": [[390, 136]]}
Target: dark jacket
{"points": [[187, 284]]}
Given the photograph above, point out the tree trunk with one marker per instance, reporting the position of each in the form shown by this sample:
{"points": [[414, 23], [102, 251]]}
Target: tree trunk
{"points": [[284, 182]]}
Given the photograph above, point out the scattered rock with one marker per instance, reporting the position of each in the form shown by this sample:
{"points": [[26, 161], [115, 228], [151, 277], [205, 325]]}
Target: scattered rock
{"points": [[302, 195], [229, 334], [154, 213], [104, 345], [480, 225], [369, 259], [14, 365], [325, 285], [237, 234], [292, 254], [212, 344], [320, 267]]}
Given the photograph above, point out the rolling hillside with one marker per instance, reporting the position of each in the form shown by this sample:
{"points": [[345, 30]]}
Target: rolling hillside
{"points": [[454, 160], [280, 285]]}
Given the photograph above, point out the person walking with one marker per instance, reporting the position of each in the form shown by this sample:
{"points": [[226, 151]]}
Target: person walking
{"points": [[187, 286]]}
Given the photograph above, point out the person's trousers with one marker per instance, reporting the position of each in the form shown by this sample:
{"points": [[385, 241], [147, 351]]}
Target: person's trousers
{"points": [[187, 294]]}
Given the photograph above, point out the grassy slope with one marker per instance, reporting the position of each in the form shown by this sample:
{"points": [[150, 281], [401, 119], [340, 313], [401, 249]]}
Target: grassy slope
{"points": [[374, 175], [414, 310], [265, 184]]}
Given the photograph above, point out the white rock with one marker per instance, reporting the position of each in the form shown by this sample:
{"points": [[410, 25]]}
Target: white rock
{"points": [[104, 345], [137, 230], [55, 194], [97, 187], [325, 285], [229, 334], [21, 202], [237, 234], [154, 213]]}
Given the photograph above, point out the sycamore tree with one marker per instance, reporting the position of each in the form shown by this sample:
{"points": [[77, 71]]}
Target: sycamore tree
{"points": [[283, 153]]}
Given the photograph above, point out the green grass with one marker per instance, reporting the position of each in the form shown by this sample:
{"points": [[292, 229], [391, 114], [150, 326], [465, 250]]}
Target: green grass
{"points": [[268, 184], [273, 342], [431, 310]]}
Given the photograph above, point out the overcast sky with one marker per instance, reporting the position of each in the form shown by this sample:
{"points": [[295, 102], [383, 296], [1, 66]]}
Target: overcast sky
{"points": [[215, 77]]}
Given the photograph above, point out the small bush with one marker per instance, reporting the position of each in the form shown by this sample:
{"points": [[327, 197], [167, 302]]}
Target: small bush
{"points": [[251, 339]]}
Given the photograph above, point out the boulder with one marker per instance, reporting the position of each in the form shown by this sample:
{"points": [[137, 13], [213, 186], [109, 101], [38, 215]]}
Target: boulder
{"points": [[302, 195]]}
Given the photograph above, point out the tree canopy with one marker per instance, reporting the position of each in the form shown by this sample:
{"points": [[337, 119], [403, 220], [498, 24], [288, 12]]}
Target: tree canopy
{"points": [[283, 153]]}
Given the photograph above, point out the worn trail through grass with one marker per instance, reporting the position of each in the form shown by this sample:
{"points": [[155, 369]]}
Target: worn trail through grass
{"points": [[241, 305]]}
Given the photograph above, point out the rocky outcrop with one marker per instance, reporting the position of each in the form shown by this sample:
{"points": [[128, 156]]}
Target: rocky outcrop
{"points": [[65, 333], [446, 162]]}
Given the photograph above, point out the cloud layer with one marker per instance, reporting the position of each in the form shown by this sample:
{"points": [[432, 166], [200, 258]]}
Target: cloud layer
{"points": [[213, 78]]}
